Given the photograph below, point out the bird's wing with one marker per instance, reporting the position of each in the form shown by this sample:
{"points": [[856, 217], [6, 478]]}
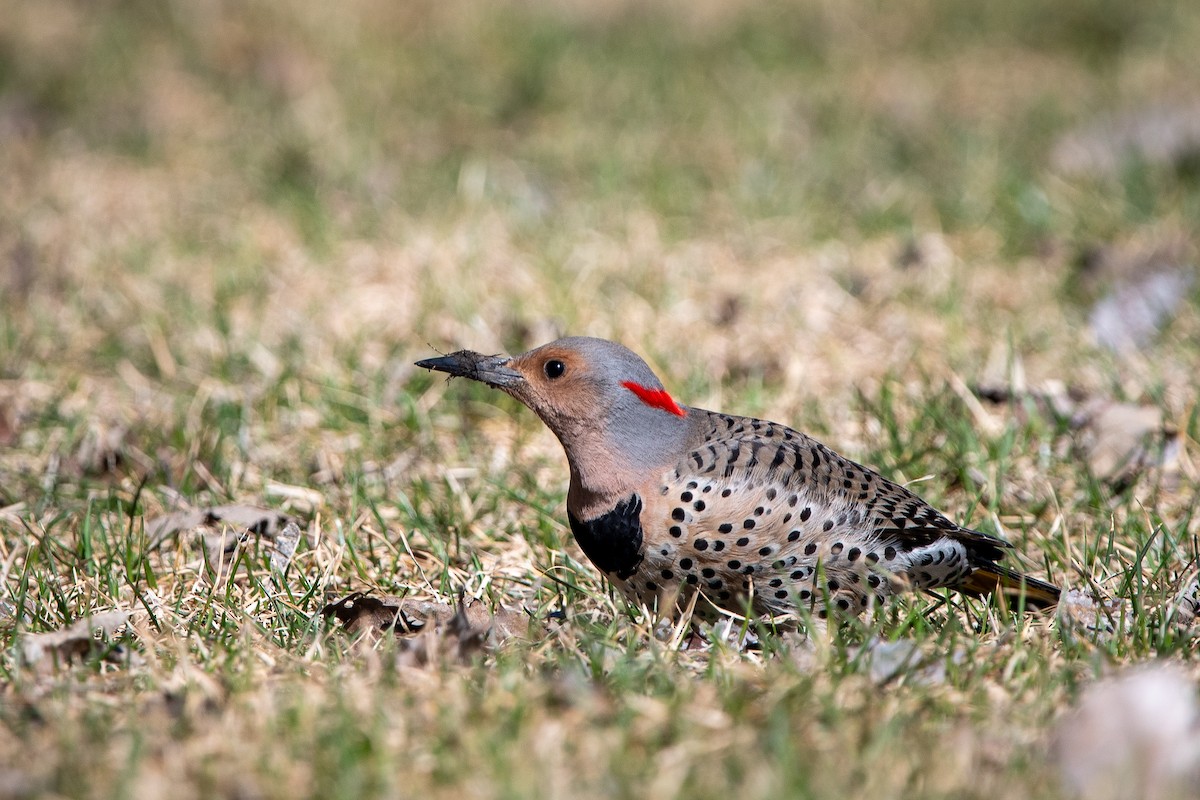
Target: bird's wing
{"points": [[755, 455]]}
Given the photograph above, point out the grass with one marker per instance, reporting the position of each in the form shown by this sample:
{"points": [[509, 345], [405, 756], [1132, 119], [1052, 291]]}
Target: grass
{"points": [[227, 231]]}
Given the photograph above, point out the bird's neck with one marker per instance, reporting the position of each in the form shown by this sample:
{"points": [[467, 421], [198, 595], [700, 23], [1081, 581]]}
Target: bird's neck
{"points": [[599, 478], [608, 465]]}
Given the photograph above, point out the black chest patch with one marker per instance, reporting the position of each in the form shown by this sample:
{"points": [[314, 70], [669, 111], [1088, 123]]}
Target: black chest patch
{"points": [[613, 541]]}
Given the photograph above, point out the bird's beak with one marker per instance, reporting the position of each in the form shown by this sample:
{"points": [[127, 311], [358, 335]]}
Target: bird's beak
{"points": [[492, 370]]}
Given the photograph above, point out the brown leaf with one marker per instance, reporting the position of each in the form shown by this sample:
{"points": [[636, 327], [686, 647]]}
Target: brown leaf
{"points": [[296, 496], [1134, 735], [8, 424], [1186, 605], [1164, 134], [72, 642], [510, 623], [23, 269], [430, 630], [1120, 441], [285, 547], [102, 451], [221, 545], [1054, 401], [468, 635], [257, 521], [1094, 616], [1128, 317], [360, 612], [903, 659]]}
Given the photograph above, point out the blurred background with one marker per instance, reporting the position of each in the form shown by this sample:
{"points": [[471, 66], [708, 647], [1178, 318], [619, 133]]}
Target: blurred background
{"points": [[951, 238], [805, 196]]}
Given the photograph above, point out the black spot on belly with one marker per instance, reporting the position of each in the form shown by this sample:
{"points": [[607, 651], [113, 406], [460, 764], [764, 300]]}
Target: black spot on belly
{"points": [[613, 541]]}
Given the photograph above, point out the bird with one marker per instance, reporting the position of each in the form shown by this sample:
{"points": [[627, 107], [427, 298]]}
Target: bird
{"points": [[676, 505]]}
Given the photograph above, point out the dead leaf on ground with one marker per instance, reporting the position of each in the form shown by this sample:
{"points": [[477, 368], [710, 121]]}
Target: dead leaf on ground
{"points": [[1186, 605], [103, 450], [221, 546], [360, 612], [8, 424], [1166, 134], [429, 630], [23, 269], [308, 499], [904, 660], [263, 522], [1136, 735], [1094, 616], [1054, 401], [1120, 441], [1131, 315], [76, 641], [285, 547], [223, 531]]}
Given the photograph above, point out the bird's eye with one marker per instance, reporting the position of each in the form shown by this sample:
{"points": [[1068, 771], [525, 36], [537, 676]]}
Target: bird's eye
{"points": [[555, 368]]}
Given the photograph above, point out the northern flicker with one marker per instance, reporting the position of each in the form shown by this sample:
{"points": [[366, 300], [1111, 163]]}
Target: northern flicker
{"points": [[668, 501]]}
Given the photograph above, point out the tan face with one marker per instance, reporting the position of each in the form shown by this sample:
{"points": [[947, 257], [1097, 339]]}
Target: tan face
{"points": [[583, 389], [559, 384], [611, 413]]}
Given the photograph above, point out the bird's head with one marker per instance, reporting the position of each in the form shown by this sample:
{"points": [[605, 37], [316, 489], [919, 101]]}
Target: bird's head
{"points": [[601, 399]]}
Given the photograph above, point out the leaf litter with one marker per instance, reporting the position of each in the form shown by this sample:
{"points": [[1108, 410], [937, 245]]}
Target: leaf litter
{"points": [[793, 325], [76, 642], [1120, 442], [259, 521], [428, 630], [1129, 317], [1163, 134], [1136, 734], [224, 531]]}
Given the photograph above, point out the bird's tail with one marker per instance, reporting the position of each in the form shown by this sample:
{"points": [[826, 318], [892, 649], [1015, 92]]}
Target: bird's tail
{"points": [[990, 578]]}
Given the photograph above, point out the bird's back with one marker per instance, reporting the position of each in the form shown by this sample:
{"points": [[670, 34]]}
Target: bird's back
{"points": [[757, 514]]}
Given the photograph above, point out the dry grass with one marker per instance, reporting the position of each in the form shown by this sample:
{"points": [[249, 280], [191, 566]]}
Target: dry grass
{"points": [[228, 229]]}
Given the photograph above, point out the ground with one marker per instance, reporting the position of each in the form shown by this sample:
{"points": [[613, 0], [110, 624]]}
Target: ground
{"points": [[955, 241]]}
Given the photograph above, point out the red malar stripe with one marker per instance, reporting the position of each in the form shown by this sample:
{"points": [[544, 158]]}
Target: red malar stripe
{"points": [[655, 398]]}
